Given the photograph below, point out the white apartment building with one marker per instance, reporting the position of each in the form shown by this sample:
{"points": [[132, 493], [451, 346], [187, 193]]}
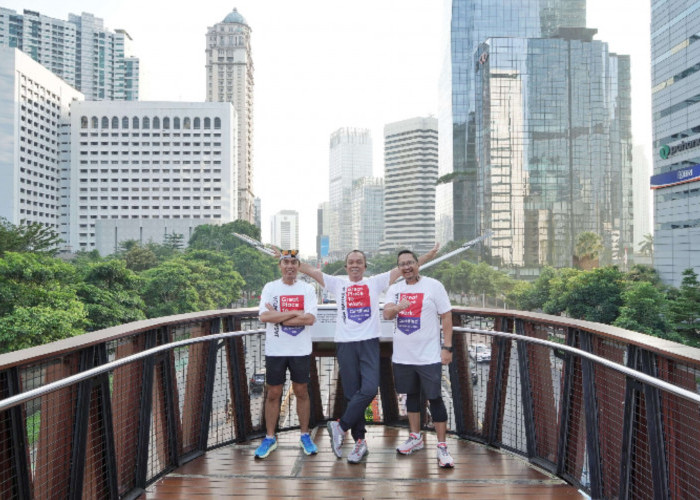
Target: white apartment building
{"points": [[285, 230], [34, 139], [368, 214], [89, 57], [150, 160], [229, 68], [410, 176], [350, 159]]}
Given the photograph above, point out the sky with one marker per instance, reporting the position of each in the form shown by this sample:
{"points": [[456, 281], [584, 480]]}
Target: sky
{"points": [[321, 65]]}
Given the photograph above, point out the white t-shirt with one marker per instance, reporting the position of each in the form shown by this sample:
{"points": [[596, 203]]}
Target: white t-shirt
{"points": [[283, 340], [358, 306], [417, 329]]}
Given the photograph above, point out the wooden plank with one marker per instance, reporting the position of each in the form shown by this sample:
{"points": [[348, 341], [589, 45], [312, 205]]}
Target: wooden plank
{"points": [[479, 472]]}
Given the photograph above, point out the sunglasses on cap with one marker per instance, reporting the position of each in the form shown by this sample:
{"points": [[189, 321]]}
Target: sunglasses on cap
{"points": [[288, 254]]}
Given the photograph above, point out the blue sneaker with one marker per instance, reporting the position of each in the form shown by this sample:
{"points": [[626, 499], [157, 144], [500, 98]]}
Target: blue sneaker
{"points": [[308, 445], [266, 447]]}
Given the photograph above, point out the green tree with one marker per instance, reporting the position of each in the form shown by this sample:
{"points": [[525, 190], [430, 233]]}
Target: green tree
{"points": [[109, 292], [644, 309], [38, 301], [138, 258], [255, 267], [215, 278], [169, 289], [221, 238], [640, 272], [594, 295], [28, 237], [646, 247], [685, 307], [534, 297], [587, 251]]}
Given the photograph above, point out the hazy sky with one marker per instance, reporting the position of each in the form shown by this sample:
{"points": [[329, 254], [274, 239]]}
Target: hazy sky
{"points": [[321, 65]]}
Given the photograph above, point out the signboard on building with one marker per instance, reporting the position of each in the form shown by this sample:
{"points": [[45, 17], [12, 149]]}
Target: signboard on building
{"points": [[675, 177]]}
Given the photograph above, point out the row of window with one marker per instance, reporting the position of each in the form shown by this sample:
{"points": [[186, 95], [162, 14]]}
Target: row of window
{"points": [[148, 123]]}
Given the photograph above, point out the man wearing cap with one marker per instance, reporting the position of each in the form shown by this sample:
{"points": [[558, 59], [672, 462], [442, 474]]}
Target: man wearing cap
{"points": [[288, 308], [417, 303], [357, 333]]}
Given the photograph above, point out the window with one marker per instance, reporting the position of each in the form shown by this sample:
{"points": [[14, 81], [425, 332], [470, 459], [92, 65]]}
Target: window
{"points": [[115, 122], [176, 123], [135, 122], [217, 123], [105, 122], [197, 123], [93, 121], [146, 122], [186, 123], [166, 123], [83, 122], [156, 122], [207, 123], [125, 122]]}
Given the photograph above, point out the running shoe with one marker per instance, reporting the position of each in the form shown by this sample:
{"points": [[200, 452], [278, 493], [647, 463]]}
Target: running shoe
{"points": [[358, 452], [266, 447], [308, 445], [443, 456], [337, 435], [413, 443]]}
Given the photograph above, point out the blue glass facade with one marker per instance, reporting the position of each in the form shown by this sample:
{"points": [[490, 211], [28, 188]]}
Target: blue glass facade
{"points": [[470, 23], [675, 73], [553, 148]]}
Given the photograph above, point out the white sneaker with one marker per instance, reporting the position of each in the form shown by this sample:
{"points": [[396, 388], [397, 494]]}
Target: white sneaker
{"points": [[358, 452], [335, 432], [413, 443], [443, 456]]}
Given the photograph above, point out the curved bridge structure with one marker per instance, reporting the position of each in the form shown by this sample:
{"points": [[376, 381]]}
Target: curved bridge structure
{"points": [[140, 407]]}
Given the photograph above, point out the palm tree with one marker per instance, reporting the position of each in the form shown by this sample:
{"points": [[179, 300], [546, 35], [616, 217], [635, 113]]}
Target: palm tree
{"points": [[587, 251], [646, 247]]}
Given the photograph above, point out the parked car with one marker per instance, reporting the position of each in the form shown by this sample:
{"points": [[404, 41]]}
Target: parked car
{"points": [[257, 383], [481, 353]]}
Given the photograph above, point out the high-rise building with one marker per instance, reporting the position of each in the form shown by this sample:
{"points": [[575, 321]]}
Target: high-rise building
{"points": [[34, 140], [470, 23], [96, 61], [229, 70], [643, 199], [350, 159], [553, 147], [410, 174], [367, 214], [675, 74], [149, 160], [257, 203], [285, 229]]}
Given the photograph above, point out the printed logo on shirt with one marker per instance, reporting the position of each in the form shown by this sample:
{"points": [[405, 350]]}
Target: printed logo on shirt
{"points": [[292, 303], [357, 299], [408, 320]]}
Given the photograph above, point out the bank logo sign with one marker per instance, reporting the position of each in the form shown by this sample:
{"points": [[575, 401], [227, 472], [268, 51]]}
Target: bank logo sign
{"points": [[667, 151], [680, 176]]}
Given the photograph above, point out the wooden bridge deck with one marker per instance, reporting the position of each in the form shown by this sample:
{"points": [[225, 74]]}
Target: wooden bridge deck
{"points": [[479, 472]]}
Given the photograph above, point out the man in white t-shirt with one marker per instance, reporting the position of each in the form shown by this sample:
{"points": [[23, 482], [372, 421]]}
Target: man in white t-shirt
{"points": [[288, 307], [417, 304], [357, 343]]}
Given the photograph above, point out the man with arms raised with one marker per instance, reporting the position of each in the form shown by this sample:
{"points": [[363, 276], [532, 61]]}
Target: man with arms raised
{"points": [[357, 343], [416, 303], [288, 307]]}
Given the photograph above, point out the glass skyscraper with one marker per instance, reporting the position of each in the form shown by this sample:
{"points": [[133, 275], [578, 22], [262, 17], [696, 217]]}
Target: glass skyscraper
{"points": [[470, 23], [553, 148], [675, 67]]}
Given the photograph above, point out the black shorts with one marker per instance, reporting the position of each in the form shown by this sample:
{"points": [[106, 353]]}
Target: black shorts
{"points": [[276, 369], [410, 379]]}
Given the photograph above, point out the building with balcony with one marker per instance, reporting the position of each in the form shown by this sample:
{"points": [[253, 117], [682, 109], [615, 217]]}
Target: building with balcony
{"points": [[34, 140], [229, 69], [367, 214], [675, 66], [285, 230], [149, 160], [96, 61]]}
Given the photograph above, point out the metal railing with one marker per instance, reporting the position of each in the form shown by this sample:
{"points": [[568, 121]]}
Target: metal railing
{"points": [[103, 415]]}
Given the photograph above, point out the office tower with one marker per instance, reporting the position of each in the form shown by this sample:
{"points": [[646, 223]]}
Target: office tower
{"points": [[553, 145], [230, 79], [367, 214], [410, 174], [676, 130], [257, 204], [85, 54], [149, 160], [34, 140], [350, 159], [470, 23], [285, 229]]}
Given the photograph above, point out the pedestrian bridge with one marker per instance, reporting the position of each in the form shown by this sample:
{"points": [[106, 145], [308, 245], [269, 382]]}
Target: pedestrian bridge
{"points": [[169, 408]]}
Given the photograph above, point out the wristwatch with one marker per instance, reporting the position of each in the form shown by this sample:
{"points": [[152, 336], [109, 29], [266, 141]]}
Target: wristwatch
{"points": [[447, 348]]}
